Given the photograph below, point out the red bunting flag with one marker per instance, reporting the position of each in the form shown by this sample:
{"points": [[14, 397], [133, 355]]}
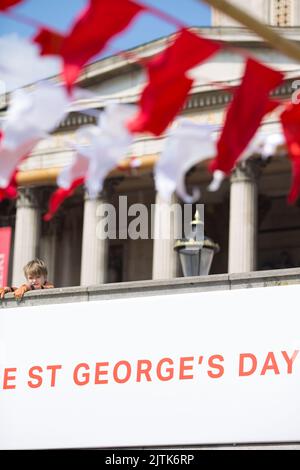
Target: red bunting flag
{"points": [[6, 4], [249, 105], [95, 26], [49, 41], [188, 50], [10, 192], [168, 87], [159, 105], [290, 120], [59, 196]]}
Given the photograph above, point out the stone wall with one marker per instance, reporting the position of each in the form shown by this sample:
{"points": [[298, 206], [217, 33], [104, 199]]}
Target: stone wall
{"points": [[263, 279], [278, 277]]}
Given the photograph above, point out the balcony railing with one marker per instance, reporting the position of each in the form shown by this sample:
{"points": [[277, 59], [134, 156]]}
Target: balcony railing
{"points": [[217, 282]]}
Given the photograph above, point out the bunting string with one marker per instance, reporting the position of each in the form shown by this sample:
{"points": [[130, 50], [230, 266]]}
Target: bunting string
{"points": [[33, 115]]}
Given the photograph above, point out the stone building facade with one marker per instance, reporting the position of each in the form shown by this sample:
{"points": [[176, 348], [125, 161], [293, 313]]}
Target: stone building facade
{"points": [[248, 217]]}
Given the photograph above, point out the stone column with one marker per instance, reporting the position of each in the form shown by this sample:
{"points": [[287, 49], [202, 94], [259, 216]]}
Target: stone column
{"points": [[165, 258], [27, 232], [94, 248], [47, 250], [243, 217]]}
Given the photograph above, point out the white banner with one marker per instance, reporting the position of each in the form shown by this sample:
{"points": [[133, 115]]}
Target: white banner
{"points": [[200, 368]]}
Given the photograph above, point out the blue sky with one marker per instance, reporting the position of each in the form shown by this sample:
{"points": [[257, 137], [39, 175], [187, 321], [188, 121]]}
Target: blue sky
{"points": [[59, 14]]}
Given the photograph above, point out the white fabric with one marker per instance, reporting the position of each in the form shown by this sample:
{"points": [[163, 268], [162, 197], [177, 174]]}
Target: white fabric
{"points": [[77, 169], [79, 166], [21, 63], [270, 145], [31, 115], [218, 177], [186, 145], [263, 144], [9, 159], [105, 145]]}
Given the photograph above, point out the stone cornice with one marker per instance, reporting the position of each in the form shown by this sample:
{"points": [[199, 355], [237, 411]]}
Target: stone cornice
{"points": [[115, 65], [197, 101], [230, 36], [201, 101], [74, 120]]}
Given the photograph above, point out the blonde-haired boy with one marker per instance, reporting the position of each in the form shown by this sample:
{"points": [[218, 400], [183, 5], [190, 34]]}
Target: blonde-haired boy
{"points": [[36, 278]]}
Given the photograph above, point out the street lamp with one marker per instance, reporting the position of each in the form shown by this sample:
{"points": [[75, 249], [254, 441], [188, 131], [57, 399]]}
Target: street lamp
{"points": [[196, 254]]}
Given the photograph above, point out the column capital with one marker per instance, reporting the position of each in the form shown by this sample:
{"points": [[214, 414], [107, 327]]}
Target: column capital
{"points": [[100, 196], [247, 170], [110, 187], [28, 198], [108, 191], [86, 197]]}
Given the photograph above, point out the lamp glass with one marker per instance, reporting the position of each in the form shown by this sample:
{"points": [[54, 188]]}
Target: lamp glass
{"points": [[196, 261], [190, 261], [207, 255]]}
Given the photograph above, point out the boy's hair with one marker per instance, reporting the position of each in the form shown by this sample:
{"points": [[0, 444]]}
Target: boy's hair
{"points": [[36, 267]]}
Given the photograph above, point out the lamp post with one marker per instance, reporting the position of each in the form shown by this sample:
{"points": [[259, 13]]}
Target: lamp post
{"points": [[196, 254]]}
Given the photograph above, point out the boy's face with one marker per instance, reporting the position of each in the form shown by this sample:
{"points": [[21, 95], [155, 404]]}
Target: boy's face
{"points": [[37, 281]]}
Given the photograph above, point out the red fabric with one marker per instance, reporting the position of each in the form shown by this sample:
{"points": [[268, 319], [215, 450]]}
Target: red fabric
{"points": [[11, 191], [168, 87], [59, 196], [5, 244], [5, 4], [97, 23], [159, 105], [49, 41], [187, 51], [290, 120], [271, 106], [250, 103]]}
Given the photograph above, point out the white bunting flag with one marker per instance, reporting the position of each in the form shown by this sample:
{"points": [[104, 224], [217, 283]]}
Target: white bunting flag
{"points": [[105, 145], [186, 145], [30, 117]]}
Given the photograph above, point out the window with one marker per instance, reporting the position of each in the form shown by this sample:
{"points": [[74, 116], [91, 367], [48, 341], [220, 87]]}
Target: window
{"points": [[282, 12]]}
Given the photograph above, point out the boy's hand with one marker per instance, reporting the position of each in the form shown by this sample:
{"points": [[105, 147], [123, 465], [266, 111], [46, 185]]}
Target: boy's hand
{"points": [[48, 285], [3, 291], [21, 291]]}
